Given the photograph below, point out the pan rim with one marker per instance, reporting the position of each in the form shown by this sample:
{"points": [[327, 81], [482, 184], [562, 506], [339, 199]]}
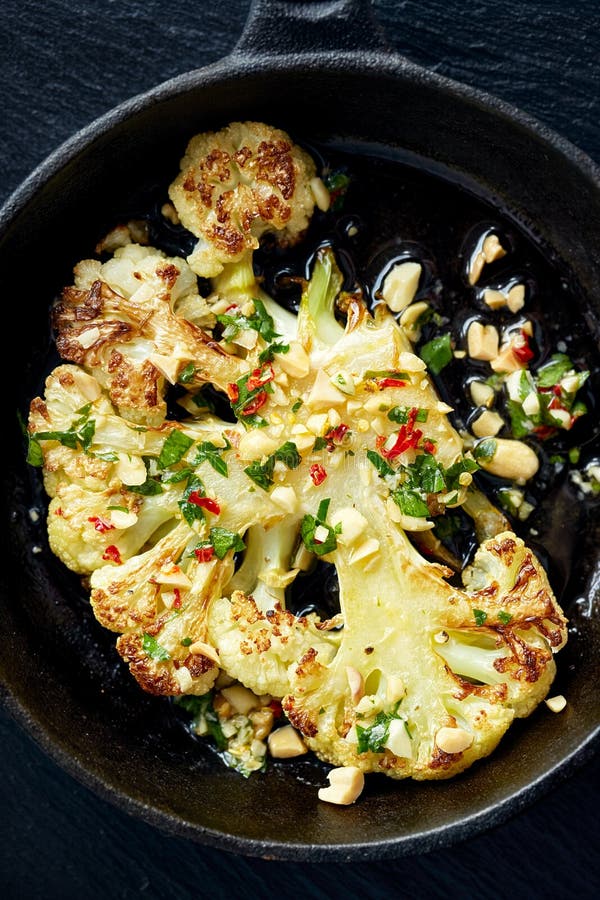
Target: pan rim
{"points": [[378, 63]]}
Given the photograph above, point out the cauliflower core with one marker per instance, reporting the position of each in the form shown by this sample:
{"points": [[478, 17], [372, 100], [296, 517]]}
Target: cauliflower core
{"points": [[192, 531], [235, 185]]}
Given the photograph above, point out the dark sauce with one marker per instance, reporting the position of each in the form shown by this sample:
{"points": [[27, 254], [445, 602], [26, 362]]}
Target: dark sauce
{"points": [[393, 211]]}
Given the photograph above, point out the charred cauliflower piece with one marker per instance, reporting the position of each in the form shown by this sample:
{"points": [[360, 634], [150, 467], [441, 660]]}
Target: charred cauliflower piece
{"points": [[235, 185], [120, 322]]}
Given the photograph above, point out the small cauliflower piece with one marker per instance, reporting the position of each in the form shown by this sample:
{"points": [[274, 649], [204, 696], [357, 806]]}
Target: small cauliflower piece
{"points": [[237, 184], [120, 322]]}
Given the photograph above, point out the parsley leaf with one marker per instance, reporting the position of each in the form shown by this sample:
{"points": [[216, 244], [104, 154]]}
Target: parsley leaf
{"points": [[504, 617], [480, 616], [223, 540], [269, 352], [174, 448], [186, 375], [380, 464], [309, 526], [210, 453]]}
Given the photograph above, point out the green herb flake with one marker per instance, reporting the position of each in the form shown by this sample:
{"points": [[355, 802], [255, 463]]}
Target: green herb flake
{"points": [[486, 449], [556, 368], [436, 354], [309, 526], [153, 649], [223, 541], [174, 449], [208, 452], [296, 405], [187, 374], [203, 712], [186, 641], [380, 464], [374, 737], [288, 454], [504, 617], [261, 473], [400, 414], [177, 476], [269, 352], [34, 457], [410, 503], [480, 616], [574, 454], [190, 511]]}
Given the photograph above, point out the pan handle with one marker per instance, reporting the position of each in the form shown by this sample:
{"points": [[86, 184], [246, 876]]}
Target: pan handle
{"points": [[302, 26]]}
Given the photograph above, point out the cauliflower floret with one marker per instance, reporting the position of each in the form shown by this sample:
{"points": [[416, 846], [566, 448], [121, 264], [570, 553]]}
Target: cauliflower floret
{"points": [[235, 185], [258, 647], [158, 600], [124, 328]]}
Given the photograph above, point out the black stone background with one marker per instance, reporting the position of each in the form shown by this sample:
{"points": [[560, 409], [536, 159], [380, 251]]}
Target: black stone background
{"points": [[64, 63]]}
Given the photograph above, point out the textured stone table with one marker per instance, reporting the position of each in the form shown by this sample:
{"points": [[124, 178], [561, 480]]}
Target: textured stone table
{"points": [[64, 63]]}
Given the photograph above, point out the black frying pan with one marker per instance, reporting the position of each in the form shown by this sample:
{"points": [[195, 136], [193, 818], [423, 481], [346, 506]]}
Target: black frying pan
{"points": [[322, 71]]}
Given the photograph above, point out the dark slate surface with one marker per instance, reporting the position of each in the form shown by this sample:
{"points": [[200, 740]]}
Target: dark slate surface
{"points": [[61, 65]]}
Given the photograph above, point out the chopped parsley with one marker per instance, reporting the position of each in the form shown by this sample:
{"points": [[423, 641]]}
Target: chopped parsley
{"points": [[400, 414], [153, 649], [259, 321], [205, 719], [380, 464], [208, 452], [480, 616], [262, 473], [374, 738], [80, 434], [174, 449], [504, 617], [191, 511], [223, 541], [269, 352], [309, 527]]}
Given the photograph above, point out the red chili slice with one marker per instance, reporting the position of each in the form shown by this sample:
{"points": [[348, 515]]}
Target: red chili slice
{"points": [[337, 435], [112, 554], [390, 382], [318, 474], [177, 600], [101, 525], [255, 404], [204, 503], [407, 439], [260, 377], [429, 446], [523, 351], [204, 554], [233, 392]]}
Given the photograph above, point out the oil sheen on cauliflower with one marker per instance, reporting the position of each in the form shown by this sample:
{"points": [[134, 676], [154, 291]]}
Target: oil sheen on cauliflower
{"points": [[191, 532], [235, 185]]}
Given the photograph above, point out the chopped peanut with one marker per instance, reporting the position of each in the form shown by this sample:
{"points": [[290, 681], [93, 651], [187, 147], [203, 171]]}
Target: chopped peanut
{"points": [[400, 285], [512, 460], [556, 704], [345, 786], [453, 740], [487, 424], [482, 341], [285, 743]]}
